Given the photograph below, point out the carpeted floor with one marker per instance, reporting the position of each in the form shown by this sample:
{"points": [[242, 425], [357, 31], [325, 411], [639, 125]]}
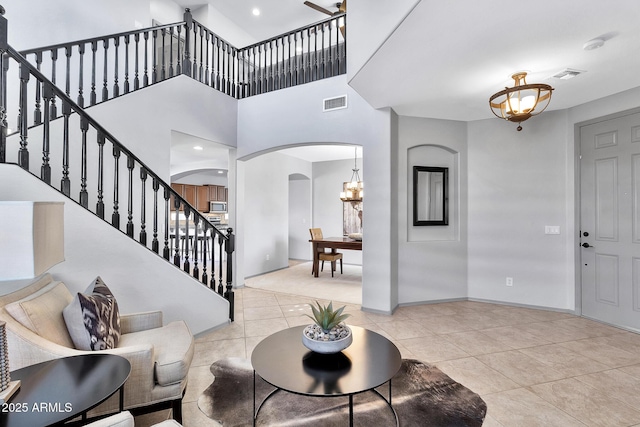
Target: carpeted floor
{"points": [[422, 396], [297, 278]]}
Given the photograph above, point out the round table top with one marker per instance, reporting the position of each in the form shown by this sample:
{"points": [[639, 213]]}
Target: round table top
{"points": [[283, 361], [61, 389]]}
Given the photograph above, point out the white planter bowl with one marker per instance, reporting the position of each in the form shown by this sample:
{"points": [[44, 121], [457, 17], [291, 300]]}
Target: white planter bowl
{"points": [[327, 347]]}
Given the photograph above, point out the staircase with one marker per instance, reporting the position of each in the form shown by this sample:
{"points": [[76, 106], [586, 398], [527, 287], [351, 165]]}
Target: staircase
{"points": [[96, 170]]}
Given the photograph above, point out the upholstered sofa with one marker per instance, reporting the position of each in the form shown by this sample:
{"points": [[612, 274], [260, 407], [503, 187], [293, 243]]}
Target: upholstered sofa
{"points": [[160, 355]]}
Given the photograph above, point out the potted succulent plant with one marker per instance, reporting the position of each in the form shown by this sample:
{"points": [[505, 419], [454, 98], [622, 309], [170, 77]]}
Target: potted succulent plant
{"points": [[328, 334]]}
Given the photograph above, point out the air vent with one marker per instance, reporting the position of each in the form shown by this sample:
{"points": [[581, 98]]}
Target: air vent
{"points": [[337, 103], [567, 74]]}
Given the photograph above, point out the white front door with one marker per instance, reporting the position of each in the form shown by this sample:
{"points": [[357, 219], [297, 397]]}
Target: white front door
{"points": [[610, 219]]}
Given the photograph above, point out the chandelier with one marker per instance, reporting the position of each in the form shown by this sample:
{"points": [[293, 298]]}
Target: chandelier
{"points": [[353, 189], [521, 101]]}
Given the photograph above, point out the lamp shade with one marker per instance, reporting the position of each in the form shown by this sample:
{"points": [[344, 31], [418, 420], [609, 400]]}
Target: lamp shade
{"points": [[31, 238]]}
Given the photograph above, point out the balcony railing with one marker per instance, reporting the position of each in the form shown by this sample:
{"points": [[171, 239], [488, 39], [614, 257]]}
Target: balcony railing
{"points": [[98, 69]]}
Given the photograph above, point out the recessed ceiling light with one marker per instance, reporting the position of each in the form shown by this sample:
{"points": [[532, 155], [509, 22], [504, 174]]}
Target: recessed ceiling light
{"points": [[220, 171], [198, 147], [255, 11]]}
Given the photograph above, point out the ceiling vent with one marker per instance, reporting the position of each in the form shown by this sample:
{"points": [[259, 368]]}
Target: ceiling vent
{"points": [[337, 103], [567, 74]]}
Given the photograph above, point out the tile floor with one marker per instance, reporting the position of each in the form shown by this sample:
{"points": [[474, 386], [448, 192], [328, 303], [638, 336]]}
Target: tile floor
{"points": [[532, 367]]}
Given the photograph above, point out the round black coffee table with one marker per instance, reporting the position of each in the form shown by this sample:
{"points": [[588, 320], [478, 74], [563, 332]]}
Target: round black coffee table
{"points": [[53, 392], [284, 362]]}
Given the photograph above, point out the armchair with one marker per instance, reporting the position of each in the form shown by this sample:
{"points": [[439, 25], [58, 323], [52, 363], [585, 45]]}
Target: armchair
{"points": [[160, 355]]}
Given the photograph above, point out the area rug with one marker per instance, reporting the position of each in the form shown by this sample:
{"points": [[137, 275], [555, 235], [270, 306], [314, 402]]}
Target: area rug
{"points": [[422, 395]]}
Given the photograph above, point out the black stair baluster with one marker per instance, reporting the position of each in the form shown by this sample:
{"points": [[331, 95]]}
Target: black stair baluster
{"points": [[4, 66], [143, 207], [65, 183], [186, 266], [54, 59], [84, 196], [289, 70], [155, 245], [23, 155], [100, 202], [145, 78], [105, 77], [130, 165], [171, 59], [166, 251], [45, 169], [81, 50], [126, 64], [329, 70], [93, 96], [205, 230], [179, 58], [154, 59], [37, 114], [322, 54], [196, 270], [116, 86], [136, 66], [115, 216], [206, 62], [176, 233], [163, 69], [229, 248], [201, 72], [67, 51], [220, 263], [217, 86], [186, 62]]}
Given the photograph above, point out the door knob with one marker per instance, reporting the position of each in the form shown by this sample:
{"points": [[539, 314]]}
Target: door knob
{"points": [[586, 245]]}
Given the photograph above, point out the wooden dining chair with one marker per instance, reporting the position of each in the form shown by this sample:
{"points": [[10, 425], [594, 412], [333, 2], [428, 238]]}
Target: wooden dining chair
{"points": [[333, 256]]}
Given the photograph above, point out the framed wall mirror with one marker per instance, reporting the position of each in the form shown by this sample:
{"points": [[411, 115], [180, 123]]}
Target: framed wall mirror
{"points": [[430, 195]]}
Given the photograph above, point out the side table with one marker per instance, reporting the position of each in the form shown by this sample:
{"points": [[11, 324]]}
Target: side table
{"points": [[59, 390]]}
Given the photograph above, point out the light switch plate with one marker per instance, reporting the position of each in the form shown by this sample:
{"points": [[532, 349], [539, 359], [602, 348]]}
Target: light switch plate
{"points": [[551, 229]]}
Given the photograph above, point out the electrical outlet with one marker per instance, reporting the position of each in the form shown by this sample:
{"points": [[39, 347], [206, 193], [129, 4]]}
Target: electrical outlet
{"points": [[268, 256], [509, 281]]}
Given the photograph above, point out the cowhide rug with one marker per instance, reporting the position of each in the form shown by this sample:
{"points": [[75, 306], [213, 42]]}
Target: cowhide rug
{"points": [[422, 395]]}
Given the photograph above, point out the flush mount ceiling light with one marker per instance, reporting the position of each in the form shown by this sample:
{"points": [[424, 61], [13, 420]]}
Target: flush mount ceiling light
{"points": [[256, 11], [522, 101]]}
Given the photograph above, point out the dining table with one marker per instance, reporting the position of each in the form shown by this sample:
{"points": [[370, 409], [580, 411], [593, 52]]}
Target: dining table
{"points": [[333, 243]]}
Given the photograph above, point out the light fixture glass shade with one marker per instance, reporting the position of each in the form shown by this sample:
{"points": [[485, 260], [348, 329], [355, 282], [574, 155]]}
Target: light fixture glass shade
{"points": [[522, 101], [31, 238], [352, 190]]}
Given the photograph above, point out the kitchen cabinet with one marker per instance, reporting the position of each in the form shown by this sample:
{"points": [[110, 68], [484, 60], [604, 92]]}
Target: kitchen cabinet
{"points": [[199, 196]]}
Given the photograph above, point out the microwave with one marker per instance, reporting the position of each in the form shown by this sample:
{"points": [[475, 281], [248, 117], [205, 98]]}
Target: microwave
{"points": [[218, 207]]}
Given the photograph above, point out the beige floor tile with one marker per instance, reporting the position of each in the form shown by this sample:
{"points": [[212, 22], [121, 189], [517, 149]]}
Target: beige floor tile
{"points": [[233, 330], [292, 310], [599, 350], [444, 324], [564, 360], [433, 349], [263, 301], [476, 376], [200, 377], [257, 328], [209, 351], [475, 342], [261, 313], [590, 327], [514, 336], [616, 383], [523, 408], [192, 416], [251, 343], [403, 329], [520, 368], [550, 332], [590, 405]]}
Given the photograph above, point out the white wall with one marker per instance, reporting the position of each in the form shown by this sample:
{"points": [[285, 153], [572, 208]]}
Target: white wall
{"points": [[299, 217], [140, 279], [432, 261], [37, 23], [214, 20], [265, 211], [516, 188], [294, 116]]}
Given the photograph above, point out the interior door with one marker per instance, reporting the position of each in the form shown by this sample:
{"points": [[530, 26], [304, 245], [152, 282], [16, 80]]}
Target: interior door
{"points": [[610, 220]]}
